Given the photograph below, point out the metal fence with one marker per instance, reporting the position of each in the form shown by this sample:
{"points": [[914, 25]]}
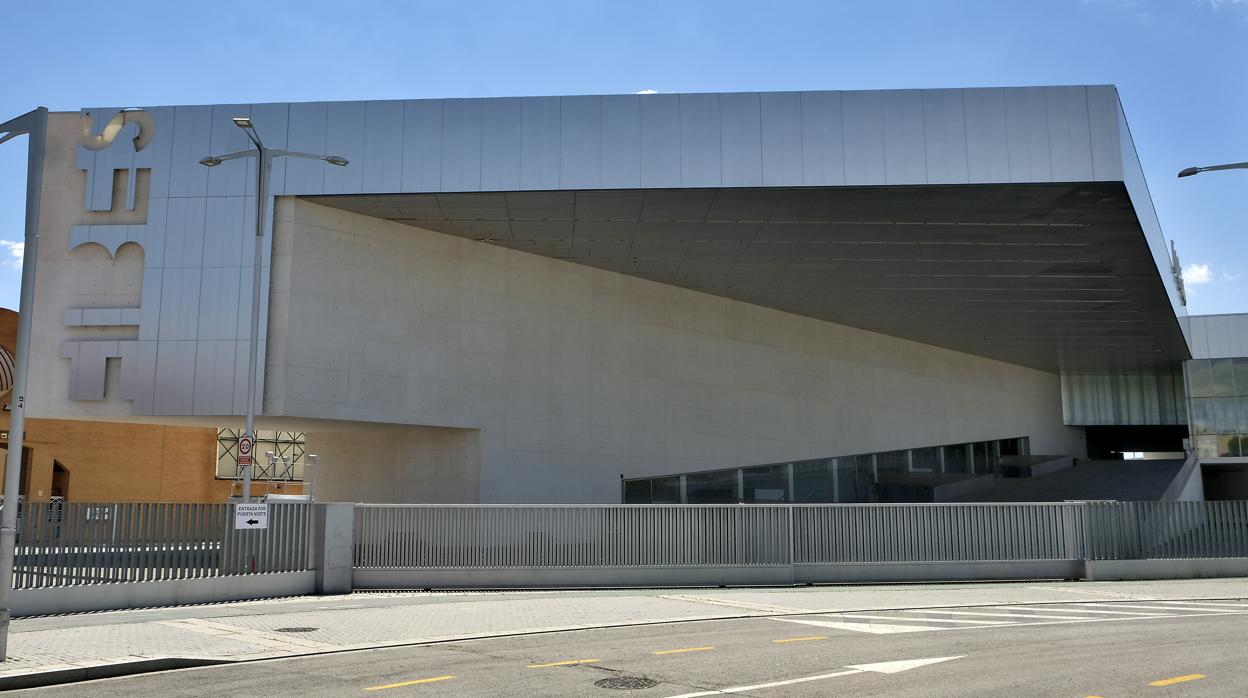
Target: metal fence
{"points": [[849, 534], [68, 544], [629, 536], [1166, 530], [485, 536]]}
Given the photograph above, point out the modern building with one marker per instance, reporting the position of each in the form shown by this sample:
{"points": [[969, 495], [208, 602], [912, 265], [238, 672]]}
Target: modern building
{"points": [[573, 299]]}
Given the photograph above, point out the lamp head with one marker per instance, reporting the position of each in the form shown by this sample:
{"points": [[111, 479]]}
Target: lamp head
{"points": [[1189, 171], [210, 161], [242, 122], [336, 160]]}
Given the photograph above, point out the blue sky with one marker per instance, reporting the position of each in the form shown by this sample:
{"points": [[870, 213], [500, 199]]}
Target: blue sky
{"points": [[1181, 67]]}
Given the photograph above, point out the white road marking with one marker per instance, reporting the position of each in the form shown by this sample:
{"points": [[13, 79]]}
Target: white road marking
{"points": [[741, 689], [1138, 614], [872, 628], [877, 668], [1146, 608], [899, 666], [1209, 605], [916, 622], [917, 619], [1000, 615]]}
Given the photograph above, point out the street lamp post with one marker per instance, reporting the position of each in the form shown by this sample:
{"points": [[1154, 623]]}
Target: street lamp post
{"points": [[35, 125], [1189, 171], [264, 158]]}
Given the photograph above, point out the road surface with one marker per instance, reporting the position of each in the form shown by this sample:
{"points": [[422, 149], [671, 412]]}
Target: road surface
{"points": [[1110, 648]]}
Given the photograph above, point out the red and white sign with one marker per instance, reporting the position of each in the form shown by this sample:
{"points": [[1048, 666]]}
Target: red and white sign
{"points": [[245, 444]]}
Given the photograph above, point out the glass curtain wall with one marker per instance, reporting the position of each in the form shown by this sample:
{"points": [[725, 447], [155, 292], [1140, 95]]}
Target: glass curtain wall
{"points": [[1218, 393], [844, 479]]}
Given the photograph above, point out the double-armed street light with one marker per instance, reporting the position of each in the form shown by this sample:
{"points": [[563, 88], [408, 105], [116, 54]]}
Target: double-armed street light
{"points": [[1189, 171], [264, 158]]}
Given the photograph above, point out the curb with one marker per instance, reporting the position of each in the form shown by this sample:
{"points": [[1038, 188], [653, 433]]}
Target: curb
{"points": [[54, 677]]}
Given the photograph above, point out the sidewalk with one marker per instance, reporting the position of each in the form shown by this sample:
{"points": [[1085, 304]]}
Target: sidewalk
{"points": [[57, 649]]}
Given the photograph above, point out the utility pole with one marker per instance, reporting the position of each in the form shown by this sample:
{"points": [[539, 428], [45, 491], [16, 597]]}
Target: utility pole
{"points": [[34, 125]]}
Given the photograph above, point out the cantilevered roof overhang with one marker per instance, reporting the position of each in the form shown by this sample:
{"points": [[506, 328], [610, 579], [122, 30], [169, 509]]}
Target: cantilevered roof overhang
{"points": [[1049, 276], [1009, 223]]}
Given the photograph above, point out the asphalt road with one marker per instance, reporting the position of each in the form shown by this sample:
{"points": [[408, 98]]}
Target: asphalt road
{"points": [[1078, 649]]}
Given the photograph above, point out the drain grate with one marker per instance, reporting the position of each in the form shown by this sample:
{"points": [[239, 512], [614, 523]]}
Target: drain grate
{"points": [[295, 630], [626, 683]]}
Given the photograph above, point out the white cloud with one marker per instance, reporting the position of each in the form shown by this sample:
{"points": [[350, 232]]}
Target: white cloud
{"points": [[16, 250], [1228, 277], [647, 91], [1197, 274]]}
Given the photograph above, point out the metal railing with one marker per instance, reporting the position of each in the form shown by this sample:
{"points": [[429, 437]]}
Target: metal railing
{"points": [[68, 544], [71, 544], [1167, 530], [487, 536], [496, 537], [874, 533]]}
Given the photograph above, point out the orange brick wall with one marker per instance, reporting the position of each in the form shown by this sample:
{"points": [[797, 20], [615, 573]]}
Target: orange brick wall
{"points": [[118, 462]]}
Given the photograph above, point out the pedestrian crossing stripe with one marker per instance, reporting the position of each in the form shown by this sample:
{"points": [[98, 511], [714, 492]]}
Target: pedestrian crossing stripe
{"points": [[979, 617]]}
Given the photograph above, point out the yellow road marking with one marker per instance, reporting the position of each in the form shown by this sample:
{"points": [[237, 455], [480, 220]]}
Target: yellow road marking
{"points": [[568, 662], [800, 639], [409, 683], [683, 650], [1177, 679]]}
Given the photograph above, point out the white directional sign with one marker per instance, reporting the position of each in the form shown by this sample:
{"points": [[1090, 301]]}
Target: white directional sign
{"points": [[251, 516]]}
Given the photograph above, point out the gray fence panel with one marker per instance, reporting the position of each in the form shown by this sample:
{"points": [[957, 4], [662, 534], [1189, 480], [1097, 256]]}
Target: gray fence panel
{"points": [[468, 537], [69, 544], [496, 537]]}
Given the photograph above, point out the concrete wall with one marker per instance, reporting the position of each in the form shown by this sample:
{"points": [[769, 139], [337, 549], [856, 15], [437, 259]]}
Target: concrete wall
{"points": [[373, 463], [575, 376], [85, 277]]}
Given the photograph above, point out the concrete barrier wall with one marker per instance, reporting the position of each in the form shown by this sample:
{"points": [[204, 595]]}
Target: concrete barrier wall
{"points": [[176, 592], [1192, 568], [782, 575]]}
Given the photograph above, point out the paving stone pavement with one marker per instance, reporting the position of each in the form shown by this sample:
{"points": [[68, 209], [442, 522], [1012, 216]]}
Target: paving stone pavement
{"points": [[290, 627]]}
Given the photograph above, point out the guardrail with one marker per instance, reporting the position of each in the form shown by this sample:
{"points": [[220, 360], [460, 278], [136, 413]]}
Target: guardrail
{"points": [[70, 544]]}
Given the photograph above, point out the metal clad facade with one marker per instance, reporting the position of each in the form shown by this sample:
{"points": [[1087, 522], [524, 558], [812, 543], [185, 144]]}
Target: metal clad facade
{"points": [[189, 353], [1217, 336]]}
